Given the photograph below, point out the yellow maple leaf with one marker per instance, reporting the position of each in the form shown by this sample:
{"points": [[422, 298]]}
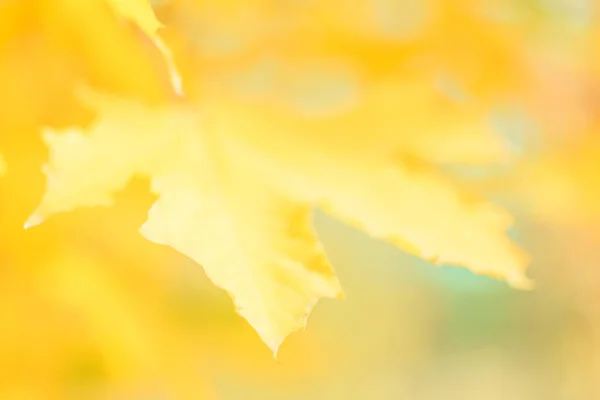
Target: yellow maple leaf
{"points": [[49, 46], [261, 249], [235, 195], [2, 165], [141, 13]]}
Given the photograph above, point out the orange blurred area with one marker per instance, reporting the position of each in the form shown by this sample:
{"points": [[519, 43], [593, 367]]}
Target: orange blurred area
{"points": [[89, 309]]}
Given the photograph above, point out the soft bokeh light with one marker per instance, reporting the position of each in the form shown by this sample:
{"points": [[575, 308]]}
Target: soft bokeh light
{"points": [[89, 309]]}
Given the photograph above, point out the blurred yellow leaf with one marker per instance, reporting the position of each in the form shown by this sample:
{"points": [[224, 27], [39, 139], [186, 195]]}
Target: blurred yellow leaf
{"points": [[139, 352], [235, 195], [141, 13], [47, 47], [437, 39]]}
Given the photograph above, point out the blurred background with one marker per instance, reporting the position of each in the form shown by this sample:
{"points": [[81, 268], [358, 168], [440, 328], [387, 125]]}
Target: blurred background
{"points": [[90, 310]]}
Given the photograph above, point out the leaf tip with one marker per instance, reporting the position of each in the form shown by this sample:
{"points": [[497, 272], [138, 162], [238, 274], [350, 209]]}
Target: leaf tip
{"points": [[274, 346], [33, 220], [521, 282]]}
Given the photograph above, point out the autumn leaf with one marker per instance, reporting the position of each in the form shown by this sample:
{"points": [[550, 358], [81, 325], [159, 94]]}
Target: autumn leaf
{"points": [[2, 165], [265, 253], [140, 12], [235, 195], [47, 47]]}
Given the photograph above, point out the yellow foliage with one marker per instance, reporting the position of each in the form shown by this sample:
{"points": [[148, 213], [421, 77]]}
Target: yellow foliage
{"points": [[433, 39], [354, 110], [140, 12], [235, 194]]}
